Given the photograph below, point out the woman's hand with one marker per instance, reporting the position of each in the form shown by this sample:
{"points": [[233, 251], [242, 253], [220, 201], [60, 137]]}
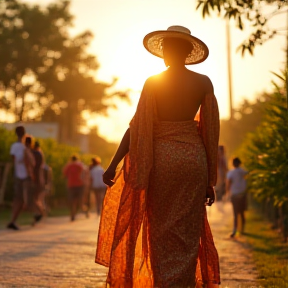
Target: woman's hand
{"points": [[210, 196], [122, 150], [108, 176]]}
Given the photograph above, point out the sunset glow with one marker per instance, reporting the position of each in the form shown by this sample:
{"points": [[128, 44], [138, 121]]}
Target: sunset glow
{"points": [[119, 28]]}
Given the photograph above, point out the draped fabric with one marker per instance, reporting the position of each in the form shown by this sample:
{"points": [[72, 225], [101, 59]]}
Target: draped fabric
{"points": [[154, 231]]}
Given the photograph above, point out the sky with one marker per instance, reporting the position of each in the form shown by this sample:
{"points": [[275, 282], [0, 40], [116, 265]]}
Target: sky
{"points": [[119, 27]]}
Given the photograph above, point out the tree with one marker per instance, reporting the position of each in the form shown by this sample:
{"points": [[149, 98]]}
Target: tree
{"points": [[248, 117], [43, 71], [265, 152], [253, 12]]}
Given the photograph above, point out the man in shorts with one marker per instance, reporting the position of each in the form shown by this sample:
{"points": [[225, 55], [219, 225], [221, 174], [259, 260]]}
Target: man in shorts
{"points": [[236, 188], [73, 172], [21, 176]]}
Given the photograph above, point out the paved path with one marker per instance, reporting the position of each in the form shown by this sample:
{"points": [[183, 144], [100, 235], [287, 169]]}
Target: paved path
{"points": [[58, 253], [236, 264]]}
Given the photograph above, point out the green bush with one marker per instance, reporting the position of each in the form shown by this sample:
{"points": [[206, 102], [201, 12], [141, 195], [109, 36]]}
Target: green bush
{"points": [[265, 152], [6, 140]]}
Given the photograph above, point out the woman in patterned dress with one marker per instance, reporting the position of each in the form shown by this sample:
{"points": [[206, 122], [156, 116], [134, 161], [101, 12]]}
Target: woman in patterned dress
{"points": [[154, 231]]}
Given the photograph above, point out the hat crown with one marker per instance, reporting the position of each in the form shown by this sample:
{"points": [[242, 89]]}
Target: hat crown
{"points": [[153, 42], [178, 28]]}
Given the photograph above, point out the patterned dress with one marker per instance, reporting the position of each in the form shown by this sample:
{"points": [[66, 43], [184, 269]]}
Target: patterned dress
{"points": [[154, 231]]}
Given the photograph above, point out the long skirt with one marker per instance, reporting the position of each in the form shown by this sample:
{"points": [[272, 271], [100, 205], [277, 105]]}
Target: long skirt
{"points": [[175, 204]]}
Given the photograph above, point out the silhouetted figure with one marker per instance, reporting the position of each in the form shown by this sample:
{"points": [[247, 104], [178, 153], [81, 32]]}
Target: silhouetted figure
{"points": [[97, 184], [30, 164], [20, 161], [73, 172], [48, 187], [30, 160], [154, 230], [38, 183], [236, 188], [86, 190]]}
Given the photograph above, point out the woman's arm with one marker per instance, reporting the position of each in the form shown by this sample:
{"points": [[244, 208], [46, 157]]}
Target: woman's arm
{"points": [[122, 150], [209, 130]]}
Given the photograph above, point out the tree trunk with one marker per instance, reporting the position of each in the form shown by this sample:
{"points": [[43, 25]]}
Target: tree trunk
{"points": [[21, 112]]}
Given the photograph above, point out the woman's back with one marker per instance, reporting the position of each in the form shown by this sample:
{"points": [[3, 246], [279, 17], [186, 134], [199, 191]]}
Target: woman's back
{"points": [[179, 93]]}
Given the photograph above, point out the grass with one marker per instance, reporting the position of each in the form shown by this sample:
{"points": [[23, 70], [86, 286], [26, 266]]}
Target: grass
{"points": [[270, 253], [26, 217]]}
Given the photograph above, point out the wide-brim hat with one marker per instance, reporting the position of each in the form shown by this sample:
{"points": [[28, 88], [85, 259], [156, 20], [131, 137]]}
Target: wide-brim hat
{"points": [[153, 43]]}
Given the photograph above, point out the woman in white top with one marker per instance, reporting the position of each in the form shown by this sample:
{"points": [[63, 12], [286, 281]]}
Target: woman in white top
{"points": [[97, 184], [20, 160], [236, 187]]}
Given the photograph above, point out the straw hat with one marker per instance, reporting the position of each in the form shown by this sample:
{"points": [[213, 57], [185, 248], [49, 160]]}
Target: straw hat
{"points": [[153, 43]]}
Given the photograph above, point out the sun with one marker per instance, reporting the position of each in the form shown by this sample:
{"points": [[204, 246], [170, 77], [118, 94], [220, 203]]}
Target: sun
{"points": [[133, 63]]}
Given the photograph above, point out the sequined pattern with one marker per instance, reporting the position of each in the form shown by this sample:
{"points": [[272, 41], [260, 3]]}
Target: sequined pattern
{"points": [[154, 231]]}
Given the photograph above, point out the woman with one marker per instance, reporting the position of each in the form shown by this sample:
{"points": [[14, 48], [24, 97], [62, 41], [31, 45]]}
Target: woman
{"points": [[236, 189], [97, 184], [154, 230]]}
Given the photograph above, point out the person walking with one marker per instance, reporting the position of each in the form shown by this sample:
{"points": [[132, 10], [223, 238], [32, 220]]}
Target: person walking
{"points": [[236, 189], [29, 158], [86, 190], [38, 183], [21, 163], [154, 230], [48, 187], [97, 184], [30, 164], [73, 172]]}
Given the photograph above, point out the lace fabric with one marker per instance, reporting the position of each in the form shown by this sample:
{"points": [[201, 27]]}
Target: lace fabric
{"points": [[149, 237]]}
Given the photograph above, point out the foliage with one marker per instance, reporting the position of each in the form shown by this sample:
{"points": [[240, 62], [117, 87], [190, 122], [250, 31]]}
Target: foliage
{"points": [[100, 147], [251, 11], [269, 253], [6, 140], [247, 117], [265, 152], [44, 71]]}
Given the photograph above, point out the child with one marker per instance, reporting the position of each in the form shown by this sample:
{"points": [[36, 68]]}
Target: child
{"points": [[236, 187]]}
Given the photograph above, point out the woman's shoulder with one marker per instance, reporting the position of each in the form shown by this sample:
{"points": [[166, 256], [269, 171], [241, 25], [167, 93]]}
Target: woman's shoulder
{"points": [[206, 82], [204, 78], [153, 80]]}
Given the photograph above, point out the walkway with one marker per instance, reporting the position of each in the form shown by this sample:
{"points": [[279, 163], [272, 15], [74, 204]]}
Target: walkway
{"points": [[58, 253], [236, 264]]}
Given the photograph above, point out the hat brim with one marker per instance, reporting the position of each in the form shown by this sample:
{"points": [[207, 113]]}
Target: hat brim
{"points": [[153, 43]]}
